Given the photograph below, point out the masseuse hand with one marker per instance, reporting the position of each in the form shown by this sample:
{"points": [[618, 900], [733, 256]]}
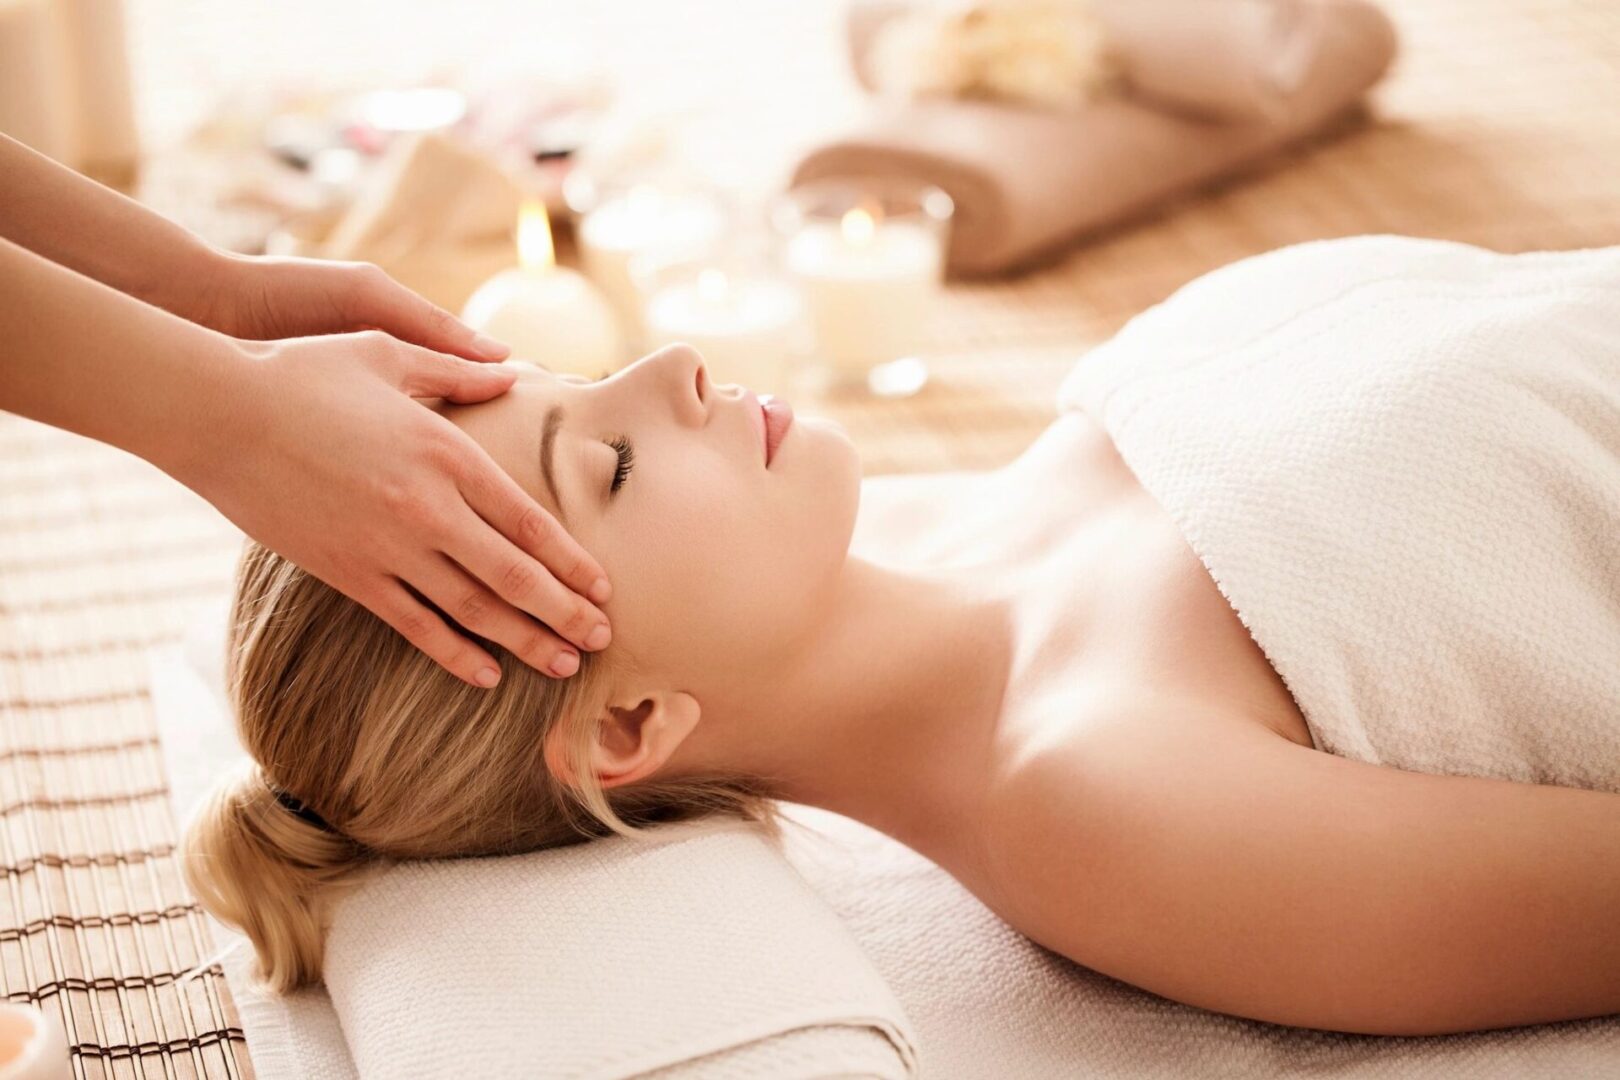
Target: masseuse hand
{"points": [[120, 325], [327, 460], [264, 297]]}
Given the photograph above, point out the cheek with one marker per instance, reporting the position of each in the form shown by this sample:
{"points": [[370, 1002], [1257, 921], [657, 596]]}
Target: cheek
{"points": [[712, 568]]}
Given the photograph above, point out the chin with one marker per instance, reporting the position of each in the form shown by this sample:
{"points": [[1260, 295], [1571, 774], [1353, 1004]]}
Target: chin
{"points": [[826, 470]]}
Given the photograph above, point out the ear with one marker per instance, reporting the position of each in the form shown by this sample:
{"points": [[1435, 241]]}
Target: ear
{"points": [[633, 741]]}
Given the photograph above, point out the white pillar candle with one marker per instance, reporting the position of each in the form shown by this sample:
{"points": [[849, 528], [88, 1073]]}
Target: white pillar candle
{"points": [[869, 286], [644, 220], [547, 313], [748, 329]]}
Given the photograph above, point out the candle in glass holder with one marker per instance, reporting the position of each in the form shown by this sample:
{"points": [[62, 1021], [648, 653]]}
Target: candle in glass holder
{"points": [[748, 328], [869, 283], [644, 220], [547, 313]]}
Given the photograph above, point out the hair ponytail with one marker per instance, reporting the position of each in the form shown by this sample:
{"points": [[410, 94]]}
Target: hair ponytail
{"points": [[258, 866], [404, 760]]}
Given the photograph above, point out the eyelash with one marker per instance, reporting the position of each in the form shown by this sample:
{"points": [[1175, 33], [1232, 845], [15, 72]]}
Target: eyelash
{"points": [[627, 461]]}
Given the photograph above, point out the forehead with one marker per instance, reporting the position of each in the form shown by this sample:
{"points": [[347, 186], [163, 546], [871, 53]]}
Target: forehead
{"points": [[508, 427]]}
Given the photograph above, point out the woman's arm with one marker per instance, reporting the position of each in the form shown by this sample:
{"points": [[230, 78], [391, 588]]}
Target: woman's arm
{"points": [[1224, 867], [314, 447], [54, 212], [85, 357], [72, 220]]}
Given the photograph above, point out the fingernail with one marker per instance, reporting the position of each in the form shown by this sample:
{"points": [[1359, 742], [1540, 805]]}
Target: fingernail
{"points": [[565, 664], [601, 591], [488, 346], [487, 677], [599, 637]]}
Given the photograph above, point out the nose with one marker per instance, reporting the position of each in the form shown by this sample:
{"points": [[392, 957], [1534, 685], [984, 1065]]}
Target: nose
{"points": [[681, 380]]}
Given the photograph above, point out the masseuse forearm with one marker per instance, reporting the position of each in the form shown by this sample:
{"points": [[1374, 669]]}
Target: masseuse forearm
{"points": [[53, 211], [82, 356]]}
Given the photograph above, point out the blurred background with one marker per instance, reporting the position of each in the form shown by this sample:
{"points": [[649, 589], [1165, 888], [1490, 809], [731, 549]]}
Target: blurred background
{"points": [[1086, 182], [913, 218]]}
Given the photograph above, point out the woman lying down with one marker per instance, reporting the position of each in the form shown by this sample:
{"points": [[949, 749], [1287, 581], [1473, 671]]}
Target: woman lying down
{"points": [[1279, 676]]}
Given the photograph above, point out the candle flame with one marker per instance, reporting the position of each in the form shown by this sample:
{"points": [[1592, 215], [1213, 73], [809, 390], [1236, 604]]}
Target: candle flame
{"points": [[712, 284], [858, 226], [535, 249]]}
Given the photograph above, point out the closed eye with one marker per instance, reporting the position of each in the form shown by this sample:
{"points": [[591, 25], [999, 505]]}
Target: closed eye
{"points": [[627, 461]]}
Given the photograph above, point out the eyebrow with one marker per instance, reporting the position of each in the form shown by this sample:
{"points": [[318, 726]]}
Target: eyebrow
{"points": [[554, 419]]}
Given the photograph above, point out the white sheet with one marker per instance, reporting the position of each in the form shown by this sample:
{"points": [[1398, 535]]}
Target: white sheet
{"points": [[986, 1002]]}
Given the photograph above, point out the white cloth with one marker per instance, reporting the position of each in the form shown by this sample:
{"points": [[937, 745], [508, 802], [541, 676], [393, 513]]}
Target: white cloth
{"points": [[608, 959], [699, 952], [1400, 461], [987, 1002]]}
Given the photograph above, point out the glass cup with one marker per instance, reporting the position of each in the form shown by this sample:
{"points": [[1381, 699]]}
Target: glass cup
{"points": [[633, 217], [746, 318], [869, 255]]}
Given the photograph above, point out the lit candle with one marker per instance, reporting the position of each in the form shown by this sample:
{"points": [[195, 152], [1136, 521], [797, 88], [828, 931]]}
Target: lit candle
{"points": [[644, 221], [868, 283], [747, 328], [547, 313]]}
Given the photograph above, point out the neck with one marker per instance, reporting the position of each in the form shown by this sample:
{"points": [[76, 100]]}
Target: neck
{"points": [[890, 713]]}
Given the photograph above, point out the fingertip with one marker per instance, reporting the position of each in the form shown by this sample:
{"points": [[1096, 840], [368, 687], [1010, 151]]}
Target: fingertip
{"points": [[480, 382], [487, 677], [488, 347]]}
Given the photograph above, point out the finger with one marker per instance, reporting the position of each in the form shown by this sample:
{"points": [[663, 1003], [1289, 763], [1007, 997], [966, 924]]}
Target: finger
{"points": [[520, 580], [475, 607], [418, 624], [409, 316], [497, 498], [431, 374]]}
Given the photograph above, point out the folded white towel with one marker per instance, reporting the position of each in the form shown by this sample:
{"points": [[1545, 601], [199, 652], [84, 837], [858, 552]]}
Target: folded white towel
{"points": [[699, 952], [1400, 461], [607, 959]]}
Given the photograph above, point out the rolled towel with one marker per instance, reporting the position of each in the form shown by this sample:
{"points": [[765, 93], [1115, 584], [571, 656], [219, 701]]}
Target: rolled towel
{"points": [[1229, 60], [1026, 181]]}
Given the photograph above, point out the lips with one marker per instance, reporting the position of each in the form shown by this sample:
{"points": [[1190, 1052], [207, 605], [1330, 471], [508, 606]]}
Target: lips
{"points": [[778, 418]]}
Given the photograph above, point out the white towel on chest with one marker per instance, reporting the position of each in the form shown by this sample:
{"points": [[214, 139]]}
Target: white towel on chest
{"points": [[1400, 461]]}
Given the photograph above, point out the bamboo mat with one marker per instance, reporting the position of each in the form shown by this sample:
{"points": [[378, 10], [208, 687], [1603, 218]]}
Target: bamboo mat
{"points": [[1496, 128]]}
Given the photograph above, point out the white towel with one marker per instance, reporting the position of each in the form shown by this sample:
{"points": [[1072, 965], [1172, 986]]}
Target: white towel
{"points": [[1400, 461], [987, 1002], [699, 952], [608, 959]]}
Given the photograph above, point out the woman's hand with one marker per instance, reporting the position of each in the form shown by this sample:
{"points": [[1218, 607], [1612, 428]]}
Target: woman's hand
{"points": [[321, 454], [264, 297]]}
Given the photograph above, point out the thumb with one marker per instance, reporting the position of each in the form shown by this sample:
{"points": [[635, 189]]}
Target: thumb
{"points": [[431, 374], [409, 316]]}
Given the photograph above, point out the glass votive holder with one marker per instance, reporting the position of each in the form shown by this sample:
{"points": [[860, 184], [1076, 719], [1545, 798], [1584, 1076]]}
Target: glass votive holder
{"points": [[869, 255], [746, 319], [627, 218]]}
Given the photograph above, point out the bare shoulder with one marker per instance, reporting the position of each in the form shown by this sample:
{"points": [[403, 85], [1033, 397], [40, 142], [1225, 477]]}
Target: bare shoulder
{"points": [[1072, 800], [1226, 867]]}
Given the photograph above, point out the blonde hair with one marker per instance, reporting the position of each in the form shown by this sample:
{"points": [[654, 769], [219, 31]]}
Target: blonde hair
{"points": [[400, 759]]}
